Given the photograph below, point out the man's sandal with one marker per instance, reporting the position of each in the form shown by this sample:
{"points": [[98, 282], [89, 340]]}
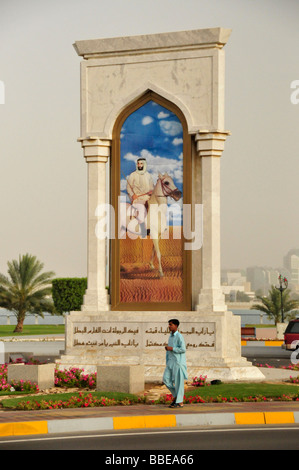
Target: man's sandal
{"points": [[176, 405]]}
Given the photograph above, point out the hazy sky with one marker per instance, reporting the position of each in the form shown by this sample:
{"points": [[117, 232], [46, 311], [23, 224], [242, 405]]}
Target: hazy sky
{"points": [[43, 179]]}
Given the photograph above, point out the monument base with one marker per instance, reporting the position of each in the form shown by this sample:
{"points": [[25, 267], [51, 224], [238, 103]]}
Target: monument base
{"points": [[213, 342]]}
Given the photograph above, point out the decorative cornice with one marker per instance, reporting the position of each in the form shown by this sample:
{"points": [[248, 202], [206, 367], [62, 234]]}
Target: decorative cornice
{"points": [[153, 43], [210, 143], [95, 149]]}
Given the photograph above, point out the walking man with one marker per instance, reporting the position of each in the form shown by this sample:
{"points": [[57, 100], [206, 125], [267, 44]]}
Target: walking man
{"points": [[176, 368]]}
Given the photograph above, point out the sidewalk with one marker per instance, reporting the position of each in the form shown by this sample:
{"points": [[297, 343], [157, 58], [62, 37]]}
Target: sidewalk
{"points": [[18, 423]]}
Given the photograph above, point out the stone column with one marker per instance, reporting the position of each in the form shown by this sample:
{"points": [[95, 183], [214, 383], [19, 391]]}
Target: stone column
{"points": [[96, 153], [210, 146]]}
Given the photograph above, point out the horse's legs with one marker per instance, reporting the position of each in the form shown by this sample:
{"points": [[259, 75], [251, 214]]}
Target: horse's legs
{"points": [[151, 263], [157, 249], [122, 233]]}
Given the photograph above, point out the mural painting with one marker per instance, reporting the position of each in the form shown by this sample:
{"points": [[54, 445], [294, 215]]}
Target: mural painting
{"points": [[151, 188]]}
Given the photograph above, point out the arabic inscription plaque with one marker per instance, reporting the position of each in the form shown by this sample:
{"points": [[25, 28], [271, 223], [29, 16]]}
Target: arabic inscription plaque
{"points": [[135, 335]]}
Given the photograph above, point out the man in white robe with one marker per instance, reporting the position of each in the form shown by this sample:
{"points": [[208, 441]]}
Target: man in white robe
{"points": [[140, 187]]}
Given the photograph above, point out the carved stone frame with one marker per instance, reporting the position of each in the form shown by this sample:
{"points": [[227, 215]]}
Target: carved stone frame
{"points": [[115, 192]]}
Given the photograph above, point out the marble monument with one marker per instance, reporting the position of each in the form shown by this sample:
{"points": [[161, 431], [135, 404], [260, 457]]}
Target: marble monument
{"points": [[186, 69]]}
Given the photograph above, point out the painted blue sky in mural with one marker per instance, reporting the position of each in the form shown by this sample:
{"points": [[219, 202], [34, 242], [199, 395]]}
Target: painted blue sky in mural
{"points": [[155, 133]]}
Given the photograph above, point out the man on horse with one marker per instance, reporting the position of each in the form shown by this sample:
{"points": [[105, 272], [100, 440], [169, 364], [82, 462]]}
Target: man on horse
{"points": [[140, 187]]}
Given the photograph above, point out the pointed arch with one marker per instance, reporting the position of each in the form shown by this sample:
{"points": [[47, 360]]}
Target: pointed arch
{"points": [[139, 94], [116, 175]]}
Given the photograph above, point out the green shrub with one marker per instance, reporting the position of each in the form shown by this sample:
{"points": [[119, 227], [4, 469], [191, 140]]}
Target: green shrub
{"points": [[68, 293]]}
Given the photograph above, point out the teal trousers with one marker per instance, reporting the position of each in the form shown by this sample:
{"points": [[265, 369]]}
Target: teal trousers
{"points": [[173, 378]]}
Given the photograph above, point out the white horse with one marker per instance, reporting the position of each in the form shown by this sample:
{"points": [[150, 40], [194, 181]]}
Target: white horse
{"points": [[155, 217]]}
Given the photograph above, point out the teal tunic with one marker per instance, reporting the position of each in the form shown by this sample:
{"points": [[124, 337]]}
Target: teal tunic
{"points": [[176, 367]]}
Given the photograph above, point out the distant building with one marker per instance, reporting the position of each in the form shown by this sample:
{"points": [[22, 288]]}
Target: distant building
{"points": [[262, 278], [291, 263], [257, 278], [234, 281]]}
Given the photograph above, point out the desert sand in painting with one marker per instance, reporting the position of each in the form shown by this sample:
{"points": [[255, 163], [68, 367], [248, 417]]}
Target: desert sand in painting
{"points": [[139, 283]]}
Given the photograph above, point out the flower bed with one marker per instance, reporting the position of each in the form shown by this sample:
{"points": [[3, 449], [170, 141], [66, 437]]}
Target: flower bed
{"points": [[200, 381], [3, 378], [75, 377], [20, 386], [81, 401], [167, 399], [294, 367], [72, 400], [72, 378]]}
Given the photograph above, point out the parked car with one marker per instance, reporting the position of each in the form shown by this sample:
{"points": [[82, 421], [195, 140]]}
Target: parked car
{"points": [[291, 335]]}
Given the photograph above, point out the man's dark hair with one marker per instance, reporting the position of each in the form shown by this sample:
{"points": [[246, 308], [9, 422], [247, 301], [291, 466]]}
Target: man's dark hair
{"points": [[174, 321]]}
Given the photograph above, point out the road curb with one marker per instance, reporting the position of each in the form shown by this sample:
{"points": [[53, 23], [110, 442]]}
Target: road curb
{"points": [[258, 343], [147, 422]]}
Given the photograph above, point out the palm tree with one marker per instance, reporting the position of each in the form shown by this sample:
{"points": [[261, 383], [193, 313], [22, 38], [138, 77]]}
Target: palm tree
{"points": [[271, 305], [26, 290]]}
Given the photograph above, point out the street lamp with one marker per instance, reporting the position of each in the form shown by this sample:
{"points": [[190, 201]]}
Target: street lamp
{"points": [[283, 285]]}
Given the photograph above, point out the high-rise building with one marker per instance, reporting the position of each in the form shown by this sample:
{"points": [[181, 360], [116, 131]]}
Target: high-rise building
{"points": [[262, 278], [291, 263], [257, 278]]}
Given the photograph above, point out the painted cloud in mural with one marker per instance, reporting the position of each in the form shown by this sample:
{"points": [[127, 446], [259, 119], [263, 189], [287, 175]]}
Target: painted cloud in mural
{"points": [[155, 133]]}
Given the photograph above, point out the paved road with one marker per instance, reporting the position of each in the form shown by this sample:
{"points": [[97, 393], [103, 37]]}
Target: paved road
{"points": [[274, 356], [54, 348], [284, 437], [46, 349]]}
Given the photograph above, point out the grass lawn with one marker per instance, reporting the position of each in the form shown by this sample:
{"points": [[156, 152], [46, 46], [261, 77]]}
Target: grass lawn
{"points": [[6, 392], [259, 325], [11, 403], [239, 391], [7, 330]]}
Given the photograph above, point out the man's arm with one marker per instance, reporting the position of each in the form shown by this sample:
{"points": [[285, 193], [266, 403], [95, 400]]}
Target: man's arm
{"points": [[180, 347], [130, 183]]}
